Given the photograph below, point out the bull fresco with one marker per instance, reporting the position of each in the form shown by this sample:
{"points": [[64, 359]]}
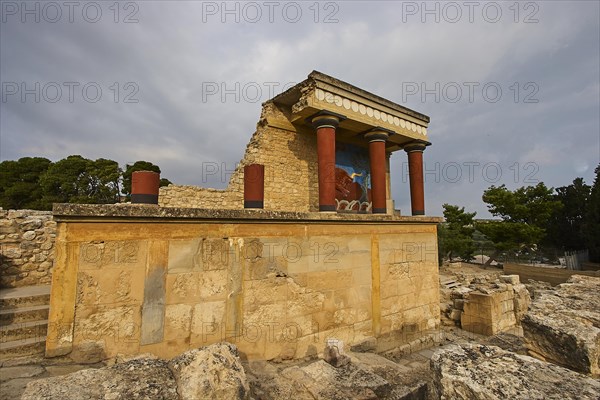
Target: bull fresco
{"points": [[352, 178]]}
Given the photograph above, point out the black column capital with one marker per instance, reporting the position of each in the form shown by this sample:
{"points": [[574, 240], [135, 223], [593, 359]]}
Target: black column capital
{"points": [[378, 134], [324, 119], [418, 145]]}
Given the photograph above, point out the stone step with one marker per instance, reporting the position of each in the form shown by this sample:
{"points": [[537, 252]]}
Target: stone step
{"points": [[24, 296], [450, 284], [23, 330], [10, 316], [23, 347]]}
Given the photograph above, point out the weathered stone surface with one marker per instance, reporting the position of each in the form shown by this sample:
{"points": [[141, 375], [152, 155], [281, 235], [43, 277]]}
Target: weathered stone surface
{"points": [[334, 355], [521, 300], [351, 381], [474, 372], [26, 371], [62, 212], [211, 372], [26, 247], [512, 279], [367, 376], [455, 314], [136, 379], [563, 326]]}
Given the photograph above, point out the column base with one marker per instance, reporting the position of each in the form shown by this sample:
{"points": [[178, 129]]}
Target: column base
{"points": [[327, 208], [379, 211], [418, 212], [253, 204], [144, 198]]}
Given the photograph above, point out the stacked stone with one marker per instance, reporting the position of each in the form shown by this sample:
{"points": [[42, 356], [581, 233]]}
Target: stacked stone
{"points": [[26, 247], [488, 308]]}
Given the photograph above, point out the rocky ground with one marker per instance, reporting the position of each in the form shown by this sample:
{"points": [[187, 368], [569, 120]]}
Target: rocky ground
{"points": [[15, 374], [463, 365], [215, 372]]}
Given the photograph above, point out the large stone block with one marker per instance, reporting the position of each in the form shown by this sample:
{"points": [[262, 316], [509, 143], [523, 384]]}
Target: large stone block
{"points": [[208, 322], [478, 372], [212, 372], [563, 326]]}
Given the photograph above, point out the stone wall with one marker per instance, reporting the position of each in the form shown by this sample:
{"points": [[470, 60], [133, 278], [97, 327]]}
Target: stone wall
{"points": [[26, 247], [275, 286], [290, 160], [554, 276], [490, 308]]}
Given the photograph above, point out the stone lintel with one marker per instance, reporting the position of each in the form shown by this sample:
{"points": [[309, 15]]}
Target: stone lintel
{"points": [[75, 212], [364, 110]]}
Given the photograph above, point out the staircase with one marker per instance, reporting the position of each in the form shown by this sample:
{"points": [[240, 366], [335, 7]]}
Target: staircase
{"points": [[449, 284], [23, 321]]}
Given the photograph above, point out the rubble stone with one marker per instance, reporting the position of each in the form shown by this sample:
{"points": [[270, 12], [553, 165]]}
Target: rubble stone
{"points": [[563, 325], [335, 356], [136, 379], [512, 279], [25, 234], [211, 372], [478, 372]]}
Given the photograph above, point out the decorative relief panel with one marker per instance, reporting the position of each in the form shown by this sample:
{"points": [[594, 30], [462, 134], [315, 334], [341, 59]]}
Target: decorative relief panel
{"points": [[199, 254], [97, 287]]}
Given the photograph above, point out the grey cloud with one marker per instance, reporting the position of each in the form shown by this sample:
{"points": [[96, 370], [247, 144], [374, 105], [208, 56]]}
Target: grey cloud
{"points": [[171, 54]]}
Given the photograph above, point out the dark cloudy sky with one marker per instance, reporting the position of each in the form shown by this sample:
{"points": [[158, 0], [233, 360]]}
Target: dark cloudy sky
{"points": [[512, 89]]}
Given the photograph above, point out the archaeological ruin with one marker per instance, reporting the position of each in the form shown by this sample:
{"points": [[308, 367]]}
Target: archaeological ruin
{"points": [[300, 280], [303, 245]]}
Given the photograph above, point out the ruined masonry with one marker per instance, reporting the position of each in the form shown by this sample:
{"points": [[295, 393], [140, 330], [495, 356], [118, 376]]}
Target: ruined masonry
{"points": [[303, 246], [325, 146], [27, 247]]}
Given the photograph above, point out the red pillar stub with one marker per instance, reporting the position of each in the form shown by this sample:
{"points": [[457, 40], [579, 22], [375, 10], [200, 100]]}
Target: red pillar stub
{"points": [[415, 173], [144, 187], [254, 186], [326, 125], [377, 161]]}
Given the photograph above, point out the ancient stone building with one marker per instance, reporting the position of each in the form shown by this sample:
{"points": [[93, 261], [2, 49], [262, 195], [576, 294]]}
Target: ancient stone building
{"points": [[302, 247], [323, 133]]}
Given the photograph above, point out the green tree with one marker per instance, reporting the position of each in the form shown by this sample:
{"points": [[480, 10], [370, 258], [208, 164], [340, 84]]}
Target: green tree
{"points": [[524, 215], [76, 179], [105, 176], [565, 227], [19, 182], [455, 235], [591, 226], [139, 166], [67, 181]]}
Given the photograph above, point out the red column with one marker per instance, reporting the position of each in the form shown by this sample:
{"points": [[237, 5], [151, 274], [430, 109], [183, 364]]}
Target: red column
{"points": [[254, 186], [415, 172], [377, 161], [326, 125], [144, 187]]}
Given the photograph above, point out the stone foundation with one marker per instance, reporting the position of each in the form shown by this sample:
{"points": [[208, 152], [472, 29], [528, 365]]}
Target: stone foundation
{"points": [[139, 279]]}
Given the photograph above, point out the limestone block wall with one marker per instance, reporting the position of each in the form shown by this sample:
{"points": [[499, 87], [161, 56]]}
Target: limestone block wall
{"points": [[488, 311], [290, 160], [26, 247], [277, 289]]}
